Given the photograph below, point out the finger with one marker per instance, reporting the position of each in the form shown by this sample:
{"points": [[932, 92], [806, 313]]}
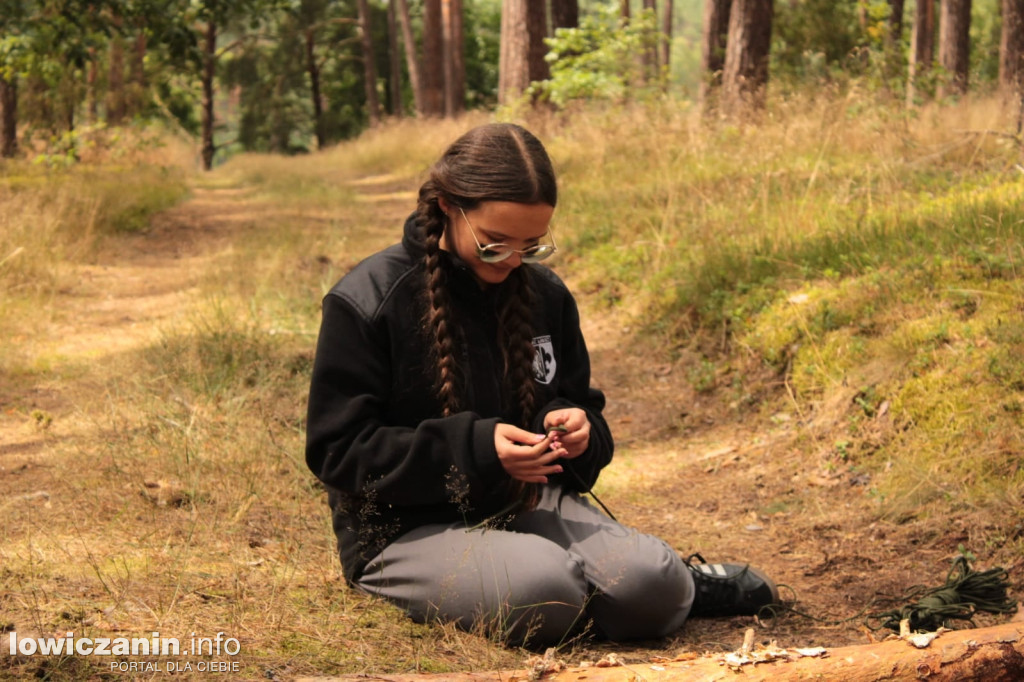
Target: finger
{"points": [[538, 455], [538, 475], [556, 420]]}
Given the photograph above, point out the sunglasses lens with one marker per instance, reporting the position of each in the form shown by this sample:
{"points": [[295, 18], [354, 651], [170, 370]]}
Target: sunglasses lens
{"points": [[538, 253], [491, 255]]}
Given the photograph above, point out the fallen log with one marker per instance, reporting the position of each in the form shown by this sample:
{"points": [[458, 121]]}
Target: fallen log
{"points": [[992, 654]]}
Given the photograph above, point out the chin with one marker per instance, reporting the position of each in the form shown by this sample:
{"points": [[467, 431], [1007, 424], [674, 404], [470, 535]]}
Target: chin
{"points": [[493, 275]]}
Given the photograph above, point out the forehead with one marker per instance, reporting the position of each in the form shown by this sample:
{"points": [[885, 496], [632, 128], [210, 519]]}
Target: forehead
{"points": [[511, 220]]}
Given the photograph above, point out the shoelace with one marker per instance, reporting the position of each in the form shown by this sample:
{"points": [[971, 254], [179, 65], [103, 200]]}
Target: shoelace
{"points": [[965, 593]]}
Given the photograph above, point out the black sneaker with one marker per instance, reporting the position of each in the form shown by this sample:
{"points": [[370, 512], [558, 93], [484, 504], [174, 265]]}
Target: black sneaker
{"points": [[729, 589]]}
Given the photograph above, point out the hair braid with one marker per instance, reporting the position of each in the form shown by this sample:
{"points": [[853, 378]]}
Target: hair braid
{"points": [[438, 309], [515, 334]]}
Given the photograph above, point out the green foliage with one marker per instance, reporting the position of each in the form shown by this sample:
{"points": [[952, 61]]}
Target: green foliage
{"points": [[482, 25], [986, 28], [811, 38], [600, 60]]}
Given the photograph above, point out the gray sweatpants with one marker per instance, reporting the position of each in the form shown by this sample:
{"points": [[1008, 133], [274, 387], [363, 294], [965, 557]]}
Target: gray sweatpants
{"points": [[549, 572]]}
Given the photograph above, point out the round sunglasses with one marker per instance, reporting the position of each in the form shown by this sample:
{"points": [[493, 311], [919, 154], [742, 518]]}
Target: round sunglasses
{"points": [[495, 253]]}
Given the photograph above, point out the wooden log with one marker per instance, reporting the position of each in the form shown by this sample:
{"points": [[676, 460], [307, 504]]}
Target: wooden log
{"points": [[991, 654]]}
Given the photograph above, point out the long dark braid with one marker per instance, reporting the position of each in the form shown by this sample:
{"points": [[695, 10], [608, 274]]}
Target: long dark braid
{"points": [[437, 318], [495, 162], [515, 325]]}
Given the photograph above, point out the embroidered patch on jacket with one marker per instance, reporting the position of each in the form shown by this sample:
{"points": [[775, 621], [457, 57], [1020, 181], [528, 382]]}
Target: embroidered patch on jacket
{"points": [[543, 359]]}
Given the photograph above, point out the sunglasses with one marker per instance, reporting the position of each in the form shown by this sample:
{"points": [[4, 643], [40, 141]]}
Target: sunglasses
{"points": [[495, 253]]}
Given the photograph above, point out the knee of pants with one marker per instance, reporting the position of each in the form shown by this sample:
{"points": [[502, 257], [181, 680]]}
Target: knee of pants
{"points": [[651, 598], [546, 599]]}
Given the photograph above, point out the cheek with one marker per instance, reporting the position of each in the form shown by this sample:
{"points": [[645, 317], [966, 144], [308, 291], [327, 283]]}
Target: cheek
{"points": [[466, 249]]}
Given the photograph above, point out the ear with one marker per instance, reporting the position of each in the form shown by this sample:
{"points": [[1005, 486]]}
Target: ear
{"points": [[443, 203]]}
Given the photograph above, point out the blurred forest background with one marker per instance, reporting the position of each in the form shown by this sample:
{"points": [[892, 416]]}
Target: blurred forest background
{"points": [[292, 76]]}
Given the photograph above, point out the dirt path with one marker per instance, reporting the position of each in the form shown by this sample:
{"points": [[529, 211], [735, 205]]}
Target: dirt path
{"points": [[138, 286], [707, 477]]}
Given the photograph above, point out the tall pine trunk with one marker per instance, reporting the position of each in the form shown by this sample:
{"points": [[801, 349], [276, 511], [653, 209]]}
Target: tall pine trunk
{"points": [[650, 54], [313, 69], [1011, 51], [537, 27], [745, 73], [135, 93], [894, 42], [369, 63], [92, 83], [8, 117], [895, 22], [712, 51], [116, 101], [922, 48], [513, 58], [394, 63], [666, 44], [954, 45], [209, 70], [565, 14], [433, 58], [454, 65], [521, 60], [412, 59]]}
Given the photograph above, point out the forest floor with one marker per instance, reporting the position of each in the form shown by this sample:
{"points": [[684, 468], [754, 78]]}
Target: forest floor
{"points": [[690, 468]]}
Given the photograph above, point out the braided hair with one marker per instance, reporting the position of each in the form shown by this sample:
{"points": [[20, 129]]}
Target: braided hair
{"points": [[494, 162]]}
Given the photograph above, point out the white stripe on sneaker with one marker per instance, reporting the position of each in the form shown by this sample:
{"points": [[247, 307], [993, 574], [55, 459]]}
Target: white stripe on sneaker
{"points": [[712, 569]]}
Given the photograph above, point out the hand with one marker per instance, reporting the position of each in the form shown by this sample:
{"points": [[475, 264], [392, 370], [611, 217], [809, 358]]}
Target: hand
{"points": [[526, 456], [574, 441]]}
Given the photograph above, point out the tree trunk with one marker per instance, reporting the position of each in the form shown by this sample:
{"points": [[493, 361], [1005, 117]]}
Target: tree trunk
{"points": [[1011, 51], [537, 25], [454, 65], [521, 60], [712, 51], [209, 68], [394, 63], [433, 58], [91, 80], [954, 45], [666, 44], [895, 22], [745, 74], [969, 655], [565, 14], [313, 69], [115, 83], [922, 48], [369, 63], [625, 11], [8, 117], [513, 66], [893, 44], [650, 56], [135, 99], [412, 60]]}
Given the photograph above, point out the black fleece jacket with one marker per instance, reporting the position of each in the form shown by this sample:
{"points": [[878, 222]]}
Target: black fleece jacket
{"points": [[375, 434]]}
